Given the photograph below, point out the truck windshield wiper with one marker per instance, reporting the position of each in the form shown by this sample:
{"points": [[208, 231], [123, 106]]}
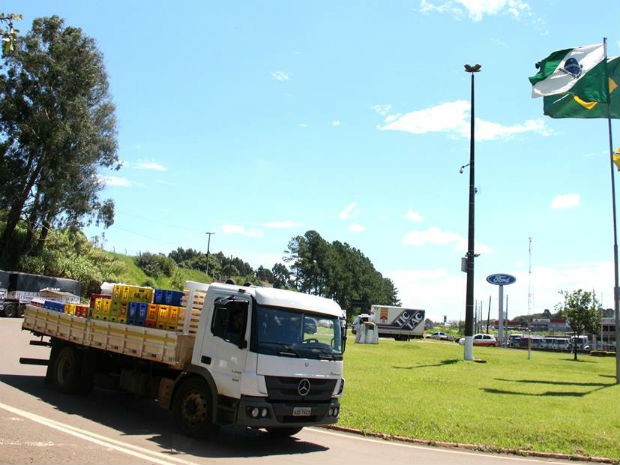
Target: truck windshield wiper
{"points": [[287, 351]]}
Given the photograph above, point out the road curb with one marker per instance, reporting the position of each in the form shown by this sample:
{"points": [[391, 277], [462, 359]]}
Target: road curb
{"points": [[473, 447]]}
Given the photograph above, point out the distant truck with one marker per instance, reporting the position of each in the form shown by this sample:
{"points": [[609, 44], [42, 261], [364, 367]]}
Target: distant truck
{"points": [[399, 323], [18, 289], [249, 356]]}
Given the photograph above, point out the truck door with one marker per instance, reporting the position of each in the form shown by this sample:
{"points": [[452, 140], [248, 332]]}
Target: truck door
{"points": [[226, 348]]}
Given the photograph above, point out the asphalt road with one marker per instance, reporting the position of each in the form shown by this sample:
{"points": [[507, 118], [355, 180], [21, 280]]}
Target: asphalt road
{"points": [[41, 426]]}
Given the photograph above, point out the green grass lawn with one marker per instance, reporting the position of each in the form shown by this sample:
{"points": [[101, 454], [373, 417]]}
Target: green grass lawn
{"points": [[424, 389]]}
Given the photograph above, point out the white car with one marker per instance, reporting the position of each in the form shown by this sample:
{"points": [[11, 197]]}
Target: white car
{"points": [[484, 340], [441, 336]]}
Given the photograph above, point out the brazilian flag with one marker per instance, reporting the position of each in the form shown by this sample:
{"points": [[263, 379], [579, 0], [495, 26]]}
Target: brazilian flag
{"points": [[571, 106]]}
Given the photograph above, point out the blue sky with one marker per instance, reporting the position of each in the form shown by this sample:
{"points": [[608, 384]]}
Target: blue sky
{"points": [[259, 121]]}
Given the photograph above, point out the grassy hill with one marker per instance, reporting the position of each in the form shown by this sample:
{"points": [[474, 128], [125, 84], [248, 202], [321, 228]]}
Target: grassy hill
{"points": [[131, 273]]}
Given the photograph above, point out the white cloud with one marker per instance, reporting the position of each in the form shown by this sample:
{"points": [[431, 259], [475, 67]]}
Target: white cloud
{"points": [[477, 9], [240, 230], [383, 110], [565, 201], [454, 118], [414, 217], [336, 123], [280, 75], [288, 224], [303, 125], [436, 236], [150, 166], [356, 228], [348, 212], [116, 181]]}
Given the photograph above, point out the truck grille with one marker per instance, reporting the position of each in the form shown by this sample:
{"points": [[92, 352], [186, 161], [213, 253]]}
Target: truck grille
{"points": [[287, 389]]}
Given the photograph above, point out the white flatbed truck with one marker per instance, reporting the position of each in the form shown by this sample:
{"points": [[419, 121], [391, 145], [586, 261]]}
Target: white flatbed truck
{"points": [[241, 355]]}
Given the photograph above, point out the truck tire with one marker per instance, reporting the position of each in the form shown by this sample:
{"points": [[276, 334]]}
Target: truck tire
{"points": [[284, 432], [192, 409], [10, 310], [67, 372]]}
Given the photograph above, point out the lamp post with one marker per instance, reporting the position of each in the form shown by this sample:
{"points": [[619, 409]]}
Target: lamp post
{"points": [[208, 246], [469, 258]]}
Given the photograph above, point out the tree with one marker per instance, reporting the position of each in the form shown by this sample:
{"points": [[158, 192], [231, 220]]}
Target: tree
{"points": [[156, 265], [581, 309], [281, 276], [337, 271], [9, 33], [264, 274], [57, 127]]}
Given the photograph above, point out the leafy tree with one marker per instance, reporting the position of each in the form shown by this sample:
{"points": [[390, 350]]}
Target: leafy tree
{"points": [[57, 127], [156, 265], [8, 33], [281, 276], [337, 271], [581, 309], [264, 274], [229, 270]]}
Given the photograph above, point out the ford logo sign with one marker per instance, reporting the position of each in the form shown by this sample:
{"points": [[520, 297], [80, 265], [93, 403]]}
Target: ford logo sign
{"points": [[501, 279]]}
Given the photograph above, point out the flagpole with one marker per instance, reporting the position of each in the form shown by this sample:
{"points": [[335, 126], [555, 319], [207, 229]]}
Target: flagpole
{"points": [[613, 207]]}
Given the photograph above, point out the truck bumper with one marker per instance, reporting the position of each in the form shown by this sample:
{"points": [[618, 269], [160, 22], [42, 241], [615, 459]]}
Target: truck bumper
{"points": [[258, 412]]}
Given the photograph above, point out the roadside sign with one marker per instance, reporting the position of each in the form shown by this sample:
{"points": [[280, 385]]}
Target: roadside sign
{"points": [[501, 279]]}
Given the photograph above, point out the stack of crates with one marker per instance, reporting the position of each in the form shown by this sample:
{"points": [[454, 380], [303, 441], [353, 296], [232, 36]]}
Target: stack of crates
{"points": [[81, 310], [137, 313], [100, 305], [138, 306], [166, 309], [122, 295], [70, 308], [191, 306], [55, 306], [76, 309]]}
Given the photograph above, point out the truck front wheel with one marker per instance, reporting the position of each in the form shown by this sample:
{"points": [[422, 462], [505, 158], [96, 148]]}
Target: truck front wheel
{"points": [[67, 373], [192, 409]]}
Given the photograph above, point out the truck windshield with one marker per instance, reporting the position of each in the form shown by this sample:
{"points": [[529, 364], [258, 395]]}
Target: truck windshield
{"points": [[291, 333]]}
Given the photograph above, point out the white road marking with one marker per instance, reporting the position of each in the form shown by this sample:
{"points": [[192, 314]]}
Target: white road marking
{"points": [[125, 448], [397, 443]]}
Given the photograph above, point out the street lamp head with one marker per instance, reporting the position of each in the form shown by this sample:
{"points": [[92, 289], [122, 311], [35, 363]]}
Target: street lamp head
{"points": [[473, 69]]}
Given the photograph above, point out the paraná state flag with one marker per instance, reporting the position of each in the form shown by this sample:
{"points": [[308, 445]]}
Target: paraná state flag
{"points": [[578, 70]]}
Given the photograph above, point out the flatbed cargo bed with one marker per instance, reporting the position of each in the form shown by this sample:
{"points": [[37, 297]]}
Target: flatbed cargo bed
{"points": [[168, 347]]}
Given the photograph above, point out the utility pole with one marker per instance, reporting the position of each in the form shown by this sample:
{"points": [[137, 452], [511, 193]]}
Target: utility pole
{"points": [[469, 258], [208, 246]]}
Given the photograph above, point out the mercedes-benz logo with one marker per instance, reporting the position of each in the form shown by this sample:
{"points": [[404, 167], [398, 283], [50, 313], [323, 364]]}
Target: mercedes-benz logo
{"points": [[303, 388]]}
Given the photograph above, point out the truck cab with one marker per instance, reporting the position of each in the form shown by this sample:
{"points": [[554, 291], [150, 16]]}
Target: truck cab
{"points": [[266, 358]]}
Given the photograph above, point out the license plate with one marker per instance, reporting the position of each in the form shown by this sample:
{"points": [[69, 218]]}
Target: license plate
{"points": [[302, 411]]}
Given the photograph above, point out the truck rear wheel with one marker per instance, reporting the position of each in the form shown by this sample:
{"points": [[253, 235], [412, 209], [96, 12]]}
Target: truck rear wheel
{"points": [[67, 372], [192, 409], [10, 310]]}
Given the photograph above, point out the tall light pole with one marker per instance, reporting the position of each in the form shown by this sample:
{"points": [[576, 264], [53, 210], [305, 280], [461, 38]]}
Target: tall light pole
{"points": [[208, 246], [469, 296]]}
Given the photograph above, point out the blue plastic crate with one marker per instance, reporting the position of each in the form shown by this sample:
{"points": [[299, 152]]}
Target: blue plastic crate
{"points": [[136, 313], [167, 297], [54, 306]]}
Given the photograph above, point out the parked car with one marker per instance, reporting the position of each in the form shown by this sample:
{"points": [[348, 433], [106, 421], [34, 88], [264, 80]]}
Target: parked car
{"points": [[440, 336], [484, 340]]}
